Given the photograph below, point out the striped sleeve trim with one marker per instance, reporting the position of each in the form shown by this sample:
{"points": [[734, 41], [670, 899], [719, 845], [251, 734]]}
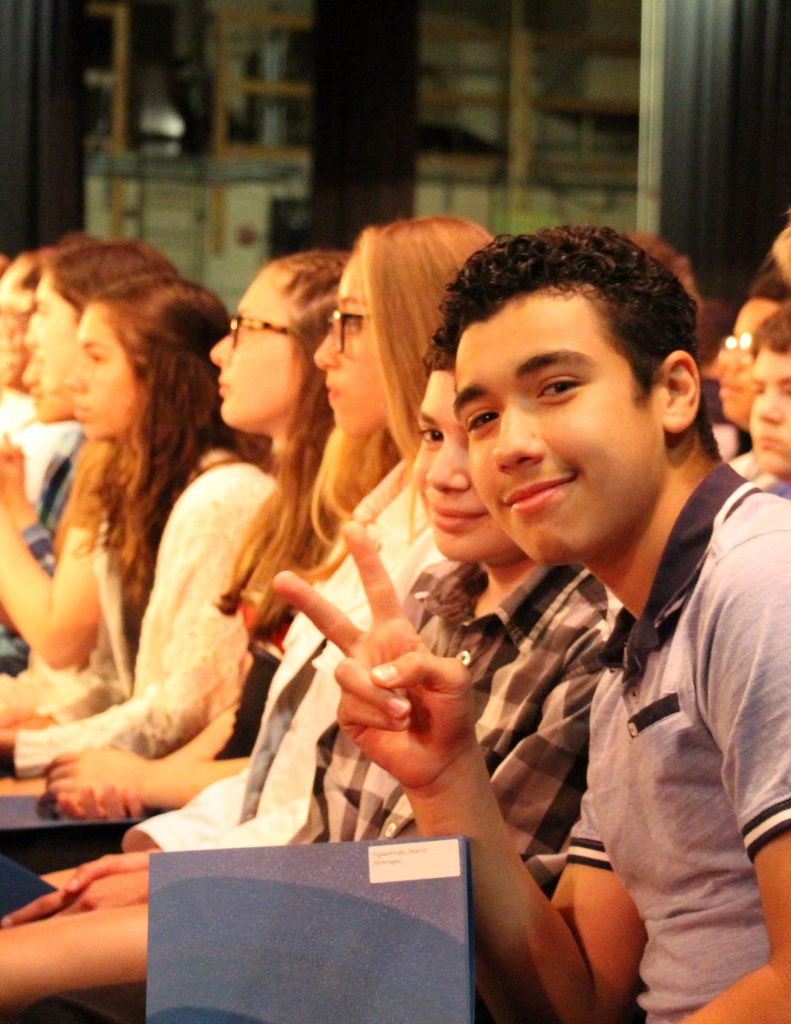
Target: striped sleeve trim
{"points": [[590, 852], [763, 828]]}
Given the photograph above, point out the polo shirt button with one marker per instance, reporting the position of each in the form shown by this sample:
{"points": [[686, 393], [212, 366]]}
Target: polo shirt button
{"points": [[633, 730], [390, 829]]}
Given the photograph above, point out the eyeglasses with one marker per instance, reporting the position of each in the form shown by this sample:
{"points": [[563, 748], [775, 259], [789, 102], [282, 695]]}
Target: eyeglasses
{"points": [[343, 326], [740, 347], [246, 323]]}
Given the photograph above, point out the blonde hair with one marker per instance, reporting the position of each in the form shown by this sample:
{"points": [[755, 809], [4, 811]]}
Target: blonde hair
{"points": [[281, 535], [405, 267]]}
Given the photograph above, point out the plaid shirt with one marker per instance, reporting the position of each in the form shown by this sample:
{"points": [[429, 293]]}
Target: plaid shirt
{"points": [[535, 666], [55, 491]]}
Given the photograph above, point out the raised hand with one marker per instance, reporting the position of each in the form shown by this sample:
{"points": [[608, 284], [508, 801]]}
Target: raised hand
{"points": [[407, 709], [13, 498]]}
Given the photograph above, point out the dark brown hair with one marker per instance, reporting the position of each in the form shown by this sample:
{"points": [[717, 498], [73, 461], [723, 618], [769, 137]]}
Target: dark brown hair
{"points": [[126, 488], [81, 270]]}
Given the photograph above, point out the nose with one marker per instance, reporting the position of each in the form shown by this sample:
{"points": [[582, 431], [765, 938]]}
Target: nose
{"points": [[767, 408], [326, 355], [76, 381], [518, 439], [32, 372], [32, 333], [449, 470], [221, 353]]}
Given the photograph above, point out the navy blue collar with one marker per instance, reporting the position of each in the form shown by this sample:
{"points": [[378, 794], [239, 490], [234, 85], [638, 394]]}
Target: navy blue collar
{"points": [[632, 640]]}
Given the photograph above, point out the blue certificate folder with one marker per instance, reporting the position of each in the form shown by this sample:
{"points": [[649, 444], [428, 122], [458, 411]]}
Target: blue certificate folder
{"points": [[18, 886], [353, 933]]}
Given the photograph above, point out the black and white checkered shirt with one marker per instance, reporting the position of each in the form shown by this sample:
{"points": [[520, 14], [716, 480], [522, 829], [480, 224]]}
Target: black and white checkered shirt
{"points": [[535, 666]]}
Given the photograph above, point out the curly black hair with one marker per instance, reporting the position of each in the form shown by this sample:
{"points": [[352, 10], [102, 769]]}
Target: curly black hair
{"points": [[645, 309]]}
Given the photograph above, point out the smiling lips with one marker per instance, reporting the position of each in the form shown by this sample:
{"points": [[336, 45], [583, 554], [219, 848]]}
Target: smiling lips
{"points": [[532, 497], [452, 520]]}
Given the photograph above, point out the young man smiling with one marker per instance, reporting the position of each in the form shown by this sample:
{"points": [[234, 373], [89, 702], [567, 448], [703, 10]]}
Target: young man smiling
{"points": [[578, 387]]}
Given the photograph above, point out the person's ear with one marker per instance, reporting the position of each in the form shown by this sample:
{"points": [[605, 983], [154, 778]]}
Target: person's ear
{"points": [[679, 389]]}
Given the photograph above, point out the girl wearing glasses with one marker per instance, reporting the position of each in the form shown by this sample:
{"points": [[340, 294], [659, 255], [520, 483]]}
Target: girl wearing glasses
{"points": [[269, 386]]}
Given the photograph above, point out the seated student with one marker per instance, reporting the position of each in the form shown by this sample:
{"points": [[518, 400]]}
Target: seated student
{"points": [[770, 420], [296, 294], [153, 527], [34, 479], [37, 469], [532, 638], [734, 362], [579, 390], [16, 308]]}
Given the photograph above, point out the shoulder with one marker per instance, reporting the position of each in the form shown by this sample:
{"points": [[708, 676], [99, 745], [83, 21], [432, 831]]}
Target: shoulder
{"points": [[751, 551], [223, 492], [227, 479]]}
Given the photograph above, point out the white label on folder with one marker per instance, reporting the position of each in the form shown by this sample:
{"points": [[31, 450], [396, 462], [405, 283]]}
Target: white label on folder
{"points": [[409, 862]]}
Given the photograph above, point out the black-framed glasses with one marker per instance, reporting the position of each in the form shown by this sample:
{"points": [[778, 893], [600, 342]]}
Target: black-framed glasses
{"points": [[248, 323], [342, 326]]}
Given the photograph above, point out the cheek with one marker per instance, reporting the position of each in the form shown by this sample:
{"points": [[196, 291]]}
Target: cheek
{"points": [[483, 472], [420, 471]]}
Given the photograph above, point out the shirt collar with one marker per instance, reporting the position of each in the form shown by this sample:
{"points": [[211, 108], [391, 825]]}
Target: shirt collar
{"points": [[453, 597], [632, 640]]}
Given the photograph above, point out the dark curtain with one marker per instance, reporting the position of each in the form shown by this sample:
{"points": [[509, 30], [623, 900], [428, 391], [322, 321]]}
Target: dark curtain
{"points": [[41, 173], [726, 178], [365, 116]]}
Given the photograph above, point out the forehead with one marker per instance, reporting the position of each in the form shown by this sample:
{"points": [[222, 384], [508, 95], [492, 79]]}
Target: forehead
{"points": [[437, 402], [532, 329], [11, 282], [771, 365], [264, 298], [351, 283]]}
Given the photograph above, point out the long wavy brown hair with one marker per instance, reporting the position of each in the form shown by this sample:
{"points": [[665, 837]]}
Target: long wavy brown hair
{"points": [[282, 534], [127, 487], [82, 268]]}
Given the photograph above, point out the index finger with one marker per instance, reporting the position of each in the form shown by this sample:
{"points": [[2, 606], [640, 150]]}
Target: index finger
{"points": [[322, 613], [44, 906], [377, 584]]}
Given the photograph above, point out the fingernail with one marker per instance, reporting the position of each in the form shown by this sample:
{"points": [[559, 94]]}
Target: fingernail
{"points": [[385, 673], [5, 922], [399, 706]]}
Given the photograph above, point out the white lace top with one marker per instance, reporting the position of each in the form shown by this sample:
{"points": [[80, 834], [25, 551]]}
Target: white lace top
{"points": [[189, 666]]}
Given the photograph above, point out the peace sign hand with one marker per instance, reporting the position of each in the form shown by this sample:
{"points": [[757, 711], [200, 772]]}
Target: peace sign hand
{"points": [[408, 710]]}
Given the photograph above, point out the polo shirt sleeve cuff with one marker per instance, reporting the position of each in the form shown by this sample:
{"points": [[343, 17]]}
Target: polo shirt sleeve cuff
{"points": [[765, 826], [590, 852]]}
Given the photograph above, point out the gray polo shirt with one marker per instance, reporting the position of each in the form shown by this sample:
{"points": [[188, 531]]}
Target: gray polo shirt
{"points": [[690, 763]]}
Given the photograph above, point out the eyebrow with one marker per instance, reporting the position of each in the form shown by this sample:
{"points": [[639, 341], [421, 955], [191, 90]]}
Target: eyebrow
{"points": [[535, 364], [426, 417]]}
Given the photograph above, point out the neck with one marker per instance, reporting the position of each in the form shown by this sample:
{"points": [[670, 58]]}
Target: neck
{"points": [[502, 580], [630, 571]]}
